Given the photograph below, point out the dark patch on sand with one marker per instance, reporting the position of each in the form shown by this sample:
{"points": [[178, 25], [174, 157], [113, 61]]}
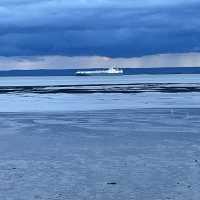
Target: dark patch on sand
{"points": [[104, 88]]}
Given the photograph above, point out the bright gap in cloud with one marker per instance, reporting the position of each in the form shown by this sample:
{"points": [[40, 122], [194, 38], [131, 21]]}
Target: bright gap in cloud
{"points": [[65, 62]]}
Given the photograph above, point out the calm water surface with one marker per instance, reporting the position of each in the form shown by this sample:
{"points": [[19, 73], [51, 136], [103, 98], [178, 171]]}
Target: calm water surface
{"points": [[28, 102]]}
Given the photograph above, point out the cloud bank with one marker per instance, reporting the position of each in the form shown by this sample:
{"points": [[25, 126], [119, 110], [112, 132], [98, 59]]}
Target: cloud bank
{"points": [[102, 28]]}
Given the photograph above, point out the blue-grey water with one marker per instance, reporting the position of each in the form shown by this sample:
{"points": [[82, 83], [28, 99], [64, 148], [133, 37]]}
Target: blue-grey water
{"points": [[94, 138], [26, 101]]}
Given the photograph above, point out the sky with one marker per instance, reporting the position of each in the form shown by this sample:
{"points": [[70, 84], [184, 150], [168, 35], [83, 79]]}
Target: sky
{"points": [[98, 33]]}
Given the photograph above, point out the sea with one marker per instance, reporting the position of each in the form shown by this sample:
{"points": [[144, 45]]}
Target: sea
{"points": [[73, 93]]}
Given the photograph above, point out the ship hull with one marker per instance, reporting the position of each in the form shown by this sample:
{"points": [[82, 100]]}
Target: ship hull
{"points": [[99, 74]]}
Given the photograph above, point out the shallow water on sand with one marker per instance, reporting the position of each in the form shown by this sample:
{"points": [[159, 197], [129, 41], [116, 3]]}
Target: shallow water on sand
{"points": [[114, 155], [34, 101]]}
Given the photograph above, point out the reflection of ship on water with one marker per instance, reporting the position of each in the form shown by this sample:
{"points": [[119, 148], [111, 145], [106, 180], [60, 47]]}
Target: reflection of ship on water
{"points": [[103, 72]]}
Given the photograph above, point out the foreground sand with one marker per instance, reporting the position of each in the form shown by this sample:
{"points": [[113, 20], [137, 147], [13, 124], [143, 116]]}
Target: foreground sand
{"points": [[116, 154]]}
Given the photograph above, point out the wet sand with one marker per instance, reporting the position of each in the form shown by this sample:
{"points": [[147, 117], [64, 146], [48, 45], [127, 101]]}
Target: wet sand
{"points": [[139, 154], [103, 88]]}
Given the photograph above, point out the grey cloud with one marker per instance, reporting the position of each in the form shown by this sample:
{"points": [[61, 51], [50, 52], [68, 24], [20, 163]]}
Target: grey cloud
{"points": [[105, 28]]}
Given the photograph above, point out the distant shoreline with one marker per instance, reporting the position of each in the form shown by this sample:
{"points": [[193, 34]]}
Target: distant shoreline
{"points": [[127, 71]]}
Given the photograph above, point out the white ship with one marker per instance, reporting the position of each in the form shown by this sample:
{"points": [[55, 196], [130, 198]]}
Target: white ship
{"points": [[104, 72]]}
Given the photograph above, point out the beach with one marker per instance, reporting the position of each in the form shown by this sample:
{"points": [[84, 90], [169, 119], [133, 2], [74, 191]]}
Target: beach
{"points": [[99, 100], [135, 154]]}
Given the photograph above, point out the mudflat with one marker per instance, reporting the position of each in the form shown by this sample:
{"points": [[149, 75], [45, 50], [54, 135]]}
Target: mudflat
{"points": [[136, 154]]}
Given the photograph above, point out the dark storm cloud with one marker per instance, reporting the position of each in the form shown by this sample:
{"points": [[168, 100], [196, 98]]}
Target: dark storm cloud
{"points": [[104, 28]]}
